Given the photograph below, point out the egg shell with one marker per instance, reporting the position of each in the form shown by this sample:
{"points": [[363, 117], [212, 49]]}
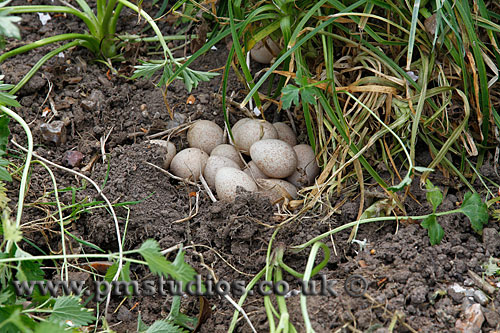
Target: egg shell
{"points": [[252, 131], [227, 180], [285, 133], [170, 151], [206, 135], [264, 51], [307, 168], [214, 163], [189, 163], [240, 122], [228, 151], [253, 171], [276, 189], [275, 158]]}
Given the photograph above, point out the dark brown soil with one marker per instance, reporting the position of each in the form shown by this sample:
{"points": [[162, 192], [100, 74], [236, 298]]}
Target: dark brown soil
{"points": [[404, 272]]}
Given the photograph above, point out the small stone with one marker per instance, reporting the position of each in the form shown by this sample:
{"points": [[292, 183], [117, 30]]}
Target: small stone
{"points": [[456, 293], [468, 283], [472, 321], [469, 293], [72, 158], [492, 317], [178, 120], [54, 132], [94, 101], [480, 297]]}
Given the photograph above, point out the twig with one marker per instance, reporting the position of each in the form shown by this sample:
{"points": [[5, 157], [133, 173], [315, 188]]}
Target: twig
{"points": [[207, 188], [171, 175], [103, 144], [170, 131], [392, 314]]}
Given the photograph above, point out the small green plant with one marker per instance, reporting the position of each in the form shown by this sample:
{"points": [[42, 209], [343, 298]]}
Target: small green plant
{"points": [[273, 273], [101, 39], [7, 26], [492, 267], [18, 313], [472, 207]]}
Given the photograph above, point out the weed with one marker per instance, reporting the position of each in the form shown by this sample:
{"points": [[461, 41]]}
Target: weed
{"points": [[101, 39]]}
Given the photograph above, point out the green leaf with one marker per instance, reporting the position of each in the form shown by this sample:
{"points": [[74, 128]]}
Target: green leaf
{"points": [[124, 274], [290, 94], [434, 229], [433, 195], [18, 322], [491, 268], [10, 232], [68, 308], [405, 182], [423, 169], [163, 326], [31, 271], [7, 26], [177, 317], [5, 175], [179, 270], [190, 77], [475, 210], [5, 296], [308, 95], [141, 326], [50, 327], [9, 100], [4, 132]]}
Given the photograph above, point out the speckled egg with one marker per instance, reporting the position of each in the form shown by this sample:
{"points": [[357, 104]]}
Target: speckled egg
{"points": [[275, 158], [214, 163], [253, 171], [276, 189], [206, 135], [227, 180], [189, 163], [285, 133], [228, 151], [264, 51], [170, 151], [249, 132], [307, 168]]}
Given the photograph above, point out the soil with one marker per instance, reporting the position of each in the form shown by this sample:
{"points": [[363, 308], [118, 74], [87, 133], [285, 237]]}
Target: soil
{"points": [[405, 274]]}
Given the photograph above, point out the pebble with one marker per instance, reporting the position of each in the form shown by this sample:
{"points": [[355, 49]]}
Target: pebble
{"points": [[492, 317], [468, 283], [480, 297], [472, 321], [54, 132], [72, 158], [178, 120], [456, 293], [94, 101]]}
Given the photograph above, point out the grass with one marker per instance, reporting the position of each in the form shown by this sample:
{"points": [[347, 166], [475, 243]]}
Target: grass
{"points": [[101, 39], [374, 83], [43, 311]]}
